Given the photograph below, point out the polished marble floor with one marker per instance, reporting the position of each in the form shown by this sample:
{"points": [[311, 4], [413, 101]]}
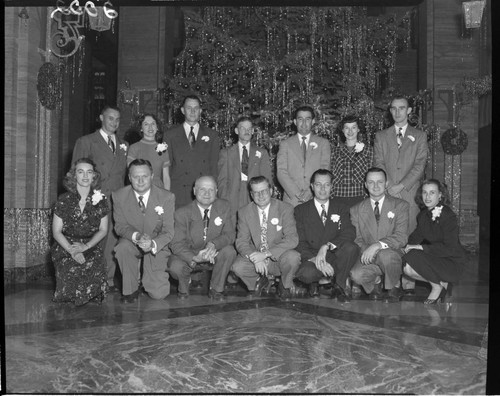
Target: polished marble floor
{"points": [[247, 346]]}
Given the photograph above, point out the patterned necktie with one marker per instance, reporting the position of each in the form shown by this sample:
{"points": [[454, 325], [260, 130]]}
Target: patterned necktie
{"points": [[377, 212], [111, 144], [304, 147], [192, 139], [399, 137], [141, 204], [323, 214], [206, 220], [244, 161], [263, 233]]}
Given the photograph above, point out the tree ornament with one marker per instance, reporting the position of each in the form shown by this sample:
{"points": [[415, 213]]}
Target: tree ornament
{"points": [[49, 86], [454, 141]]}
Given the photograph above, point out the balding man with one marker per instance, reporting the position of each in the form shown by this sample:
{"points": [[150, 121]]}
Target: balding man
{"points": [[204, 233]]}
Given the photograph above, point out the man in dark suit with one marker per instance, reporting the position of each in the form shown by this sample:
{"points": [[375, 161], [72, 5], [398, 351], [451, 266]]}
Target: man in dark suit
{"points": [[401, 151], [144, 221], [109, 153], [193, 150], [326, 239], [381, 223], [204, 233], [239, 163], [265, 241]]}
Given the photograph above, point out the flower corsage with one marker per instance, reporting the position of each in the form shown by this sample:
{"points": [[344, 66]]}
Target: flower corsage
{"points": [[161, 148], [97, 197]]}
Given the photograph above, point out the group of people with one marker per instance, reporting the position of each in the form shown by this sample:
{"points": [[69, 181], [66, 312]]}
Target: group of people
{"points": [[190, 205]]}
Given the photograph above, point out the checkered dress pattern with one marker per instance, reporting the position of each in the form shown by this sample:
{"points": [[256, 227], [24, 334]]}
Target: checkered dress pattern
{"points": [[349, 168]]}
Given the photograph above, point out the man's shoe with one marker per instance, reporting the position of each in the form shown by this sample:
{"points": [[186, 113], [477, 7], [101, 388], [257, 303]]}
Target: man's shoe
{"points": [[261, 283], [113, 289], [409, 292], [394, 295], [376, 294], [130, 298], [285, 294], [313, 290], [341, 295], [215, 295], [182, 296], [251, 294]]}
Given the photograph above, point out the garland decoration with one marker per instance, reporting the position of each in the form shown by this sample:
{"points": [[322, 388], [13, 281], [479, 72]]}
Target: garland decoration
{"points": [[49, 86], [454, 141]]}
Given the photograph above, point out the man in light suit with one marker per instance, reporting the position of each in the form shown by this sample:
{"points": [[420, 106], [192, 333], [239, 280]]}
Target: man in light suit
{"points": [[193, 150], [381, 223], [109, 153], [265, 241], [144, 221], [326, 239], [299, 156], [204, 233], [401, 151], [239, 163]]}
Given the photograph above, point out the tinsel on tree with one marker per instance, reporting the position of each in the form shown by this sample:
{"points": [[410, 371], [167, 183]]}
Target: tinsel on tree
{"points": [[266, 61]]}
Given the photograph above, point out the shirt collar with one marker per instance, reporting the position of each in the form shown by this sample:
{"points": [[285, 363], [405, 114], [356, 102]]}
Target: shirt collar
{"points": [[187, 128], [308, 137], [105, 136], [319, 208], [380, 203], [145, 196], [403, 129], [202, 210]]}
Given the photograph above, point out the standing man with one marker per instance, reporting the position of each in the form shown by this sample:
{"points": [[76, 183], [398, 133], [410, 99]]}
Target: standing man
{"points": [[144, 221], [381, 223], [326, 239], [239, 163], [204, 233], [109, 153], [299, 156], [193, 150], [265, 241]]}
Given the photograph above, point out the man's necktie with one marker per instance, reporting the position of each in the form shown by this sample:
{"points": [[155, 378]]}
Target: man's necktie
{"points": [[263, 233], [111, 144], [192, 139], [377, 212], [244, 161], [206, 220], [141, 204], [323, 214], [400, 137], [304, 147]]}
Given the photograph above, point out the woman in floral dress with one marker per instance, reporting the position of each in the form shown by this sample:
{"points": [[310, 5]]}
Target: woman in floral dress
{"points": [[80, 222], [152, 148], [434, 253], [350, 161]]}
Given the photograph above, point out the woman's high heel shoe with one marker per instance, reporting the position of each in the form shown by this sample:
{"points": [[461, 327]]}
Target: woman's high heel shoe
{"points": [[442, 295]]}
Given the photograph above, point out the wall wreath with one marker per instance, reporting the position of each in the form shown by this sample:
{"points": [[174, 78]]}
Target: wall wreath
{"points": [[49, 86], [454, 141]]}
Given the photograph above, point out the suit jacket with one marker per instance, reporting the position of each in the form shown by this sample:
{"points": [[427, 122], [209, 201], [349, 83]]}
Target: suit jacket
{"points": [[406, 165], [113, 167], [129, 218], [188, 239], [186, 163], [293, 174], [281, 236], [229, 179], [392, 231], [313, 234]]}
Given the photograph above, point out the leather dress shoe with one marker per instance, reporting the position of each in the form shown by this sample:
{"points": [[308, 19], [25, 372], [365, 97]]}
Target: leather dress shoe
{"points": [[261, 283], [215, 295], [130, 298], [182, 296], [285, 294], [376, 294], [340, 294], [313, 290], [409, 292], [394, 295], [113, 289]]}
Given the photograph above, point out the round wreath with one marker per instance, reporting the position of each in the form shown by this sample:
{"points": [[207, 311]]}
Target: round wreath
{"points": [[49, 86], [454, 141]]}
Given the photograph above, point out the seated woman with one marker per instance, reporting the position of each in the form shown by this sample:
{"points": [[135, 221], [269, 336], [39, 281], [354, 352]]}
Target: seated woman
{"points": [[434, 253], [80, 222]]}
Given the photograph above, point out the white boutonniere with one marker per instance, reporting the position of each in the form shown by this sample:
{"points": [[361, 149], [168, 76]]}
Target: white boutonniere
{"points": [[358, 147], [314, 145], [159, 210], [218, 221], [161, 148], [123, 146], [274, 221], [97, 197], [278, 228], [205, 138], [335, 218], [411, 138], [258, 154], [436, 212], [390, 215]]}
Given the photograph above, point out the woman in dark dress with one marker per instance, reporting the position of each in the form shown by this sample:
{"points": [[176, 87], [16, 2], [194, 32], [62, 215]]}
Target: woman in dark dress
{"points": [[434, 253], [80, 222]]}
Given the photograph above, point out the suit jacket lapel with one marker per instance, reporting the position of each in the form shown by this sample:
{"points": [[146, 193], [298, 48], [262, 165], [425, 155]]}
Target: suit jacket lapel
{"points": [[234, 152], [254, 225], [196, 230], [135, 210], [368, 217], [296, 147]]}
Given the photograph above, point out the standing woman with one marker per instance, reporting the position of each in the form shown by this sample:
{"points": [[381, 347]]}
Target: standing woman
{"points": [[434, 253], [152, 148], [80, 222], [350, 161]]}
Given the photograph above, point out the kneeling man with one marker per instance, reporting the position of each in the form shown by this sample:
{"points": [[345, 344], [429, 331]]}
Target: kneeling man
{"points": [[326, 239], [265, 241], [144, 221], [204, 233], [381, 223]]}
